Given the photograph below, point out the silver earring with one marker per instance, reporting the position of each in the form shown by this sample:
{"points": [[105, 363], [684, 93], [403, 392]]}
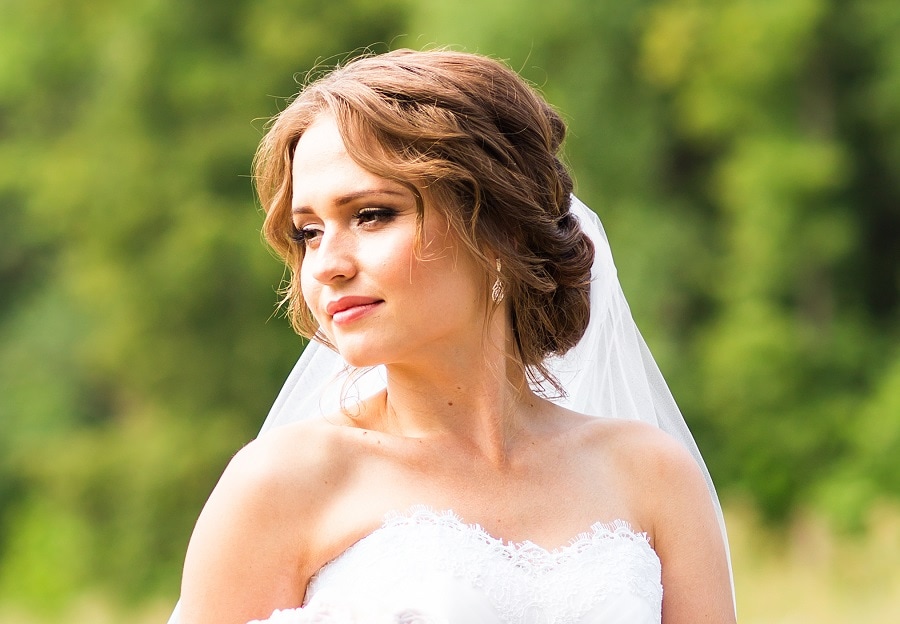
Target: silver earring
{"points": [[497, 289]]}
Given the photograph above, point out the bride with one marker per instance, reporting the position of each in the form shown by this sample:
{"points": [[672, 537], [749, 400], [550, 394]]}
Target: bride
{"points": [[419, 203]]}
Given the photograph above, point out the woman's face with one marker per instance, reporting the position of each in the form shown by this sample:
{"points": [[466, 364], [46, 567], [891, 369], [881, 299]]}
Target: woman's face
{"points": [[373, 297]]}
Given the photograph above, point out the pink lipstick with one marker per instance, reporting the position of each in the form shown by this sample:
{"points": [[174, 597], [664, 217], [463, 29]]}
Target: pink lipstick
{"points": [[349, 309]]}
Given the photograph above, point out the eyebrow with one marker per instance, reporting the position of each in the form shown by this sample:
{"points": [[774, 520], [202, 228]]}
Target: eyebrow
{"points": [[351, 197]]}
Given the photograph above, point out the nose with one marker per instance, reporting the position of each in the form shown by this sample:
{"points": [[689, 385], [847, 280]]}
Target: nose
{"points": [[334, 257]]}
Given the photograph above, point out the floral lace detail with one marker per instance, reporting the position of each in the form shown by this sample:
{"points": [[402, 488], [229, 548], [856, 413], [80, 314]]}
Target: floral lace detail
{"points": [[339, 614], [527, 556], [523, 583]]}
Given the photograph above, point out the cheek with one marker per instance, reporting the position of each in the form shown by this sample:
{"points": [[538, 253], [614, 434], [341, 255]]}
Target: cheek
{"points": [[394, 259], [451, 277], [309, 290]]}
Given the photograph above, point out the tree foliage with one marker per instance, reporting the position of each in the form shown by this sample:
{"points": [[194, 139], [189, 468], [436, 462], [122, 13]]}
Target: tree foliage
{"points": [[138, 346], [743, 154]]}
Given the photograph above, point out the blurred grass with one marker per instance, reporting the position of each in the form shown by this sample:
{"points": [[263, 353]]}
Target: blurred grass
{"points": [[805, 573], [93, 609]]}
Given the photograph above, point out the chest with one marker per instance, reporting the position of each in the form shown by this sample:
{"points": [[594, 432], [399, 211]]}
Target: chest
{"points": [[546, 495]]}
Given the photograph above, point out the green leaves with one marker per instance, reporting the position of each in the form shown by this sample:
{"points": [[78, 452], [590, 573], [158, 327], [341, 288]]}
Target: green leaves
{"points": [[137, 345]]}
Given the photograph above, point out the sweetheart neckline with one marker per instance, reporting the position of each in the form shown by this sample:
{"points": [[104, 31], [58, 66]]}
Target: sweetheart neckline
{"points": [[423, 515], [424, 548]]}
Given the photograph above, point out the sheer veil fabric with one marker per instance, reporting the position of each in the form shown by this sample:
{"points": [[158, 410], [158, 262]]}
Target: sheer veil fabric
{"points": [[610, 373]]}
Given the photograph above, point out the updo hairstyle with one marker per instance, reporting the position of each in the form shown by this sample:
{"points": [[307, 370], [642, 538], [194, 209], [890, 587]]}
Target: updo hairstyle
{"points": [[480, 145]]}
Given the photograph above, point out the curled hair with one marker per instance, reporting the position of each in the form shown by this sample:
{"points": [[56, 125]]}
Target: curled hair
{"points": [[484, 146]]}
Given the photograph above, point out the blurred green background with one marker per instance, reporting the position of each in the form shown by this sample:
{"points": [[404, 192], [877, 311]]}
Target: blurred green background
{"points": [[743, 154]]}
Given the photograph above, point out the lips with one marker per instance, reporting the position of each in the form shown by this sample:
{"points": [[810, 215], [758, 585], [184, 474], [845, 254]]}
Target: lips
{"points": [[348, 309]]}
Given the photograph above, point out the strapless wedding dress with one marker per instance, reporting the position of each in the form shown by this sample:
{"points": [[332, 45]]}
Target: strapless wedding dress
{"points": [[431, 567]]}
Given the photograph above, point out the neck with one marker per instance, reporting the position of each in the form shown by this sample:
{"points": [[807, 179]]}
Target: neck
{"points": [[478, 397]]}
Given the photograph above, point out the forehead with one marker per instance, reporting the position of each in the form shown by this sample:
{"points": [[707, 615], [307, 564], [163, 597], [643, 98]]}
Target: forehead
{"points": [[322, 169], [319, 149]]}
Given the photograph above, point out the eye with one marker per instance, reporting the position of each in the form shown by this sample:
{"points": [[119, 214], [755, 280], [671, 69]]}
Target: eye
{"points": [[375, 215], [306, 235]]}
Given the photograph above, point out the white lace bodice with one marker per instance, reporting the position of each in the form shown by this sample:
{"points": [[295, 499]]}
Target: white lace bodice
{"points": [[427, 566]]}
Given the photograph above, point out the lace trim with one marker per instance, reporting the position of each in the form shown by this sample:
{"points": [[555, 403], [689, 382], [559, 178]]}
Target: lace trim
{"points": [[523, 582], [526, 555]]}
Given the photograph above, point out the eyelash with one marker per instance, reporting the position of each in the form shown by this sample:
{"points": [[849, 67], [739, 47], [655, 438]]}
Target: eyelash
{"points": [[364, 217], [300, 236], [370, 215]]}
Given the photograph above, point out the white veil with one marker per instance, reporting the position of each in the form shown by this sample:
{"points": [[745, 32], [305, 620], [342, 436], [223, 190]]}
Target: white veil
{"points": [[610, 372]]}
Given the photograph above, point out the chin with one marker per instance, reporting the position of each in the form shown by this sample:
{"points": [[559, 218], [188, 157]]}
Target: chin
{"points": [[361, 362], [359, 356], [368, 349]]}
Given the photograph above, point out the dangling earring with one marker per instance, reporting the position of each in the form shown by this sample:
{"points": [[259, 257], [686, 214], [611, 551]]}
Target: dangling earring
{"points": [[497, 289]]}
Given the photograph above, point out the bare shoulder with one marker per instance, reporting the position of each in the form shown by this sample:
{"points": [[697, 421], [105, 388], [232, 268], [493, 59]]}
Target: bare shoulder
{"points": [[669, 495], [286, 479], [255, 544], [661, 481], [642, 450], [294, 459], [658, 455]]}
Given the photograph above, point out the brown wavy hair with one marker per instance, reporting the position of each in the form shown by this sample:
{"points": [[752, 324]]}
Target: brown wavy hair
{"points": [[486, 147]]}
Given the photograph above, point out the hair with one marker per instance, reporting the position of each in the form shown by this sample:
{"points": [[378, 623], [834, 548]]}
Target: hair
{"points": [[484, 147]]}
